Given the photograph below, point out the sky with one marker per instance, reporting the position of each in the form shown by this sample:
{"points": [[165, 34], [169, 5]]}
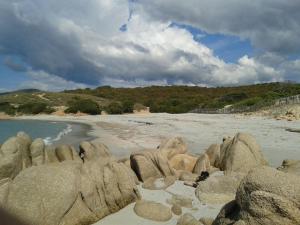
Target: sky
{"points": [[55, 45]]}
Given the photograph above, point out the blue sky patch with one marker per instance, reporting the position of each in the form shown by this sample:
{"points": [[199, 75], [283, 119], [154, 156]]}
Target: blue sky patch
{"points": [[227, 47]]}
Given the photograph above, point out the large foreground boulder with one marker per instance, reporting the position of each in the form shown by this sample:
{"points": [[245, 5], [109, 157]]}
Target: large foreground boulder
{"points": [[66, 189], [15, 156], [240, 154], [219, 188], [150, 164], [290, 166], [265, 196]]}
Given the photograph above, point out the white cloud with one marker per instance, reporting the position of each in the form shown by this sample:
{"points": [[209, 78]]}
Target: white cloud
{"points": [[74, 43], [48, 82]]}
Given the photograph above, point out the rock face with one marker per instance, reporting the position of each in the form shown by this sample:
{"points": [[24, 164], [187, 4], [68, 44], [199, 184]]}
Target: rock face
{"points": [[188, 219], [213, 153], [172, 147], [150, 163], [240, 154], [60, 187], [265, 196], [290, 166], [183, 162], [152, 211], [202, 164], [15, 156], [218, 189], [37, 152]]}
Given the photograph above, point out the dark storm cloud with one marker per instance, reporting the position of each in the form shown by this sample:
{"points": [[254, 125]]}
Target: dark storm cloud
{"points": [[43, 47], [271, 25]]}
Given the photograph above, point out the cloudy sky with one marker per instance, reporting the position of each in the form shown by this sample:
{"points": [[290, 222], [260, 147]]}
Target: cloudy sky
{"points": [[56, 45]]}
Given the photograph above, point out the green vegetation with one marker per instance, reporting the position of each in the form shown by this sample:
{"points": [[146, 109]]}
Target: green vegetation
{"points": [[7, 108], [87, 106], [170, 99], [182, 99], [114, 108], [35, 108]]}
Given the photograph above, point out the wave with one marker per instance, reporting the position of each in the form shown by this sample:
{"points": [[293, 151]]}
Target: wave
{"points": [[50, 140]]}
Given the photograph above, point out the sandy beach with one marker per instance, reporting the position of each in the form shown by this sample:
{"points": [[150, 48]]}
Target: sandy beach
{"points": [[124, 134]]}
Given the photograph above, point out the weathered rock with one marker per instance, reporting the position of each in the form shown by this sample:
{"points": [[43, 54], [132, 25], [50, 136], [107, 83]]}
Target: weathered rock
{"points": [[290, 166], [11, 160], [150, 163], [44, 194], [24, 141], [50, 155], [172, 147], [4, 187], [206, 221], [73, 191], [213, 153], [218, 189], [37, 152], [240, 154], [152, 211], [188, 176], [66, 152], [202, 164], [183, 162], [188, 219], [265, 196], [176, 209], [88, 149]]}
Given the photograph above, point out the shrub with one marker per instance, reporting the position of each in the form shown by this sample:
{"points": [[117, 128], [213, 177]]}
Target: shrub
{"points": [[114, 108], [128, 106], [7, 108], [34, 108], [83, 105], [249, 102]]}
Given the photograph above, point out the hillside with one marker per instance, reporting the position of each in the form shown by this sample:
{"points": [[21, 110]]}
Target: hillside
{"points": [[170, 99], [181, 99], [35, 102]]}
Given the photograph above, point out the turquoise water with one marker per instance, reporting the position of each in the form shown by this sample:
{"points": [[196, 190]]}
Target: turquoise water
{"points": [[49, 131]]}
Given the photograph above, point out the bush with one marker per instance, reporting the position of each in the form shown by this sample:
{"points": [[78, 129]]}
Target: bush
{"points": [[128, 106], [249, 102], [34, 108], [7, 108], [114, 108], [83, 105]]}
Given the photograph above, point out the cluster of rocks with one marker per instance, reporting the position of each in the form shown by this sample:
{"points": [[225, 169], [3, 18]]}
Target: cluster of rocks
{"points": [[43, 185]]}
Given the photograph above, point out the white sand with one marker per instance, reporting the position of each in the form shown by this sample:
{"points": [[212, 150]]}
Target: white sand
{"points": [[124, 134], [127, 216]]}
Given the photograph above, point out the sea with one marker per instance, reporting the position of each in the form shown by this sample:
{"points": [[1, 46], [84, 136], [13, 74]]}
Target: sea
{"points": [[50, 131]]}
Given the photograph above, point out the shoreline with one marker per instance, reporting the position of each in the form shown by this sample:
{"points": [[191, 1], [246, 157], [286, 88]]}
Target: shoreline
{"points": [[79, 131], [124, 134]]}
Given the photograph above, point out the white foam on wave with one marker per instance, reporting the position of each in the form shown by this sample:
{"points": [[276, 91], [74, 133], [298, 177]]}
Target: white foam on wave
{"points": [[67, 130]]}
